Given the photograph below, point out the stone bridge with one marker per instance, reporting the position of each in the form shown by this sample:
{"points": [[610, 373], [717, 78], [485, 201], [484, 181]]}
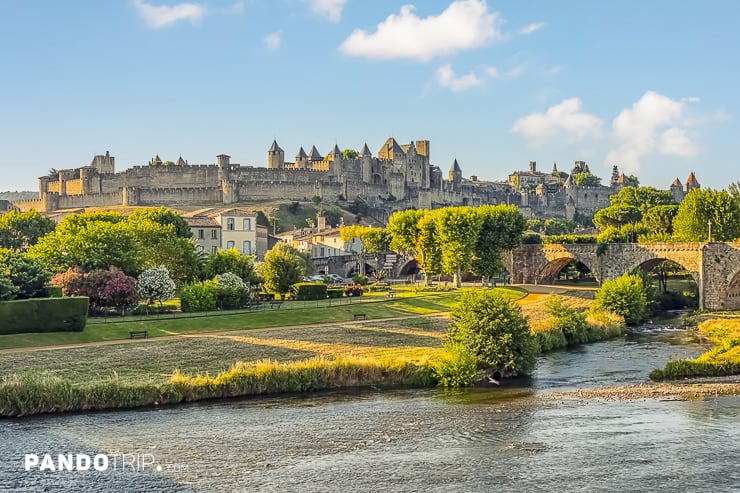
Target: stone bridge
{"points": [[714, 266]]}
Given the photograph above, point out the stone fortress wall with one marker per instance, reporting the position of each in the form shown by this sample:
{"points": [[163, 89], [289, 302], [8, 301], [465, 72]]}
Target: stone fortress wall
{"points": [[397, 178]]}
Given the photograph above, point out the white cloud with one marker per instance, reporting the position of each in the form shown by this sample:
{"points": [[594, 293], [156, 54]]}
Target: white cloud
{"points": [[563, 120], [273, 40], [465, 24], [446, 78], [655, 124], [329, 9], [515, 72], [165, 15], [531, 28]]}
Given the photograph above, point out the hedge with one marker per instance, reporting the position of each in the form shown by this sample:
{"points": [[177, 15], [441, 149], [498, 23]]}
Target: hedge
{"points": [[308, 291], [44, 315], [335, 292]]}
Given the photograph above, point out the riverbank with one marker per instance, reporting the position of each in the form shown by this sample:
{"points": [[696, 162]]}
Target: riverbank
{"points": [[723, 330], [243, 363]]}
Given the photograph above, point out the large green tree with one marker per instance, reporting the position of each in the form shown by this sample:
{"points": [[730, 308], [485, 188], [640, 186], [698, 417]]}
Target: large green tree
{"points": [[21, 277], [89, 245], [502, 227], [20, 230], [428, 246], [282, 268], [232, 261], [457, 232], [163, 216], [701, 207]]}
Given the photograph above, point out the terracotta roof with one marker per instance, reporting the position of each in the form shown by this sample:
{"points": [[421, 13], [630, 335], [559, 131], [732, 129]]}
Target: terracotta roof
{"points": [[202, 222], [676, 183]]}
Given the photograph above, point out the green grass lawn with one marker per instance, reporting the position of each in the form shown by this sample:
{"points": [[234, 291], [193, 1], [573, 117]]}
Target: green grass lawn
{"points": [[290, 313], [155, 361]]}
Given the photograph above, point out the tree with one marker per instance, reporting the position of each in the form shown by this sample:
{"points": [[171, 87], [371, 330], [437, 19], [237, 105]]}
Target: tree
{"points": [[23, 277], [20, 230], [110, 288], [494, 330], [163, 216], [90, 244], [349, 154], [625, 296], [457, 232], [659, 219], [428, 248], [281, 269], [502, 227], [160, 245], [403, 229], [155, 284], [372, 240], [586, 179], [702, 206], [224, 261]]}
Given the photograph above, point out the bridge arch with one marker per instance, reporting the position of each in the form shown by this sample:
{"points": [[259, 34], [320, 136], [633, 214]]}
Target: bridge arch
{"points": [[732, 295], [548, 273], [410, 267]]}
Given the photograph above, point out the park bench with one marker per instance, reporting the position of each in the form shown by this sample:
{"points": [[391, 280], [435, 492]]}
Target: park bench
{"points": [[138, 334], [391, 294], [359, 316], [275, 303]]}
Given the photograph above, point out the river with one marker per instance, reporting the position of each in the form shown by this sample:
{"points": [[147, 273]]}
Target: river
{"points": [[477, 440]]}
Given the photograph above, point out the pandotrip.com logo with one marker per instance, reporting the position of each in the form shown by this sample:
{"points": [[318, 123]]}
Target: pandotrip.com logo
{"points": [[118, 462]]}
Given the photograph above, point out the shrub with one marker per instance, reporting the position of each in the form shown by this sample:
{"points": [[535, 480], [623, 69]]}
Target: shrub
{"points": [[25, 277], [309, 291], [361, 279], [198, 297], [570, 321], [155, 284], [105, 288], [334, 292], [231, 291], [625, 296], [494, 330], [456, 367], [353, 290], [43, 315]]}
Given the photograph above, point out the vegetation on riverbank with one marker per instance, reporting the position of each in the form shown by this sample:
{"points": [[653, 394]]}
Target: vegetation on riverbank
{"points": [[248, 362], [723, 359]]}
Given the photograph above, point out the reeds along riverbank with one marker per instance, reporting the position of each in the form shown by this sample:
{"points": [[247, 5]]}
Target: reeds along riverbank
{"points": [[36, 393], [596, 326], [723, 359]]}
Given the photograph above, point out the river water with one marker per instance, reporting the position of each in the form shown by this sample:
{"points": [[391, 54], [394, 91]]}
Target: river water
{"points": [[479, 440]]}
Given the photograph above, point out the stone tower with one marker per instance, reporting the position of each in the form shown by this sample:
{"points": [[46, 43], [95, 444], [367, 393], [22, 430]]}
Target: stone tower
{"points": [[275, 156], [455, 174], [104, 164], [677, 190], [692, 182]]}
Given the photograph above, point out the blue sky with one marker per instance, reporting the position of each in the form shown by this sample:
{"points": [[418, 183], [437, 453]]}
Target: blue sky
{"points": [[648, 86]]}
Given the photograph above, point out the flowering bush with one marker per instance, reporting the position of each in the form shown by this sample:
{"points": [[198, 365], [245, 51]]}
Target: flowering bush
{"points": [[231, 291], [155, 284], [110, 288]]}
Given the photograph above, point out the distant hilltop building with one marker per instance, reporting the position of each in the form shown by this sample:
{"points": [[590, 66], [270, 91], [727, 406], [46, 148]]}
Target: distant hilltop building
{"points": [[399, 177]]}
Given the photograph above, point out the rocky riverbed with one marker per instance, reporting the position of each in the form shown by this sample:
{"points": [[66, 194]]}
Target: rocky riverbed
{"points": [[705, 389]]}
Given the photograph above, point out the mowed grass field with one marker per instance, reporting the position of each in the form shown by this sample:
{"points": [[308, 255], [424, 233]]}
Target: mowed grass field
{"points": [[196, 350]]}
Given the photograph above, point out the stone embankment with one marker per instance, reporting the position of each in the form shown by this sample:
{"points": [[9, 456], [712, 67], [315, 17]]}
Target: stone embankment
{"points": [[664, 391]]}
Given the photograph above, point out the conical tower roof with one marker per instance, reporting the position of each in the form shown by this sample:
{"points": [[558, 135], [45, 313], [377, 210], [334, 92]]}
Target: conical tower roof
{"points": [[275, 147], [301, 154], [455, 168], [365, 151], [315, 155]]}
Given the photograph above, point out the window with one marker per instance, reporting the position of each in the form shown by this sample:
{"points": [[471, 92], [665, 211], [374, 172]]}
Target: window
{"points": [[214, 249], [247, 250], [323, 252], [199, 248], [247, 224], [230, 244], [230, 224], [214, 234], [201, 234]]}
